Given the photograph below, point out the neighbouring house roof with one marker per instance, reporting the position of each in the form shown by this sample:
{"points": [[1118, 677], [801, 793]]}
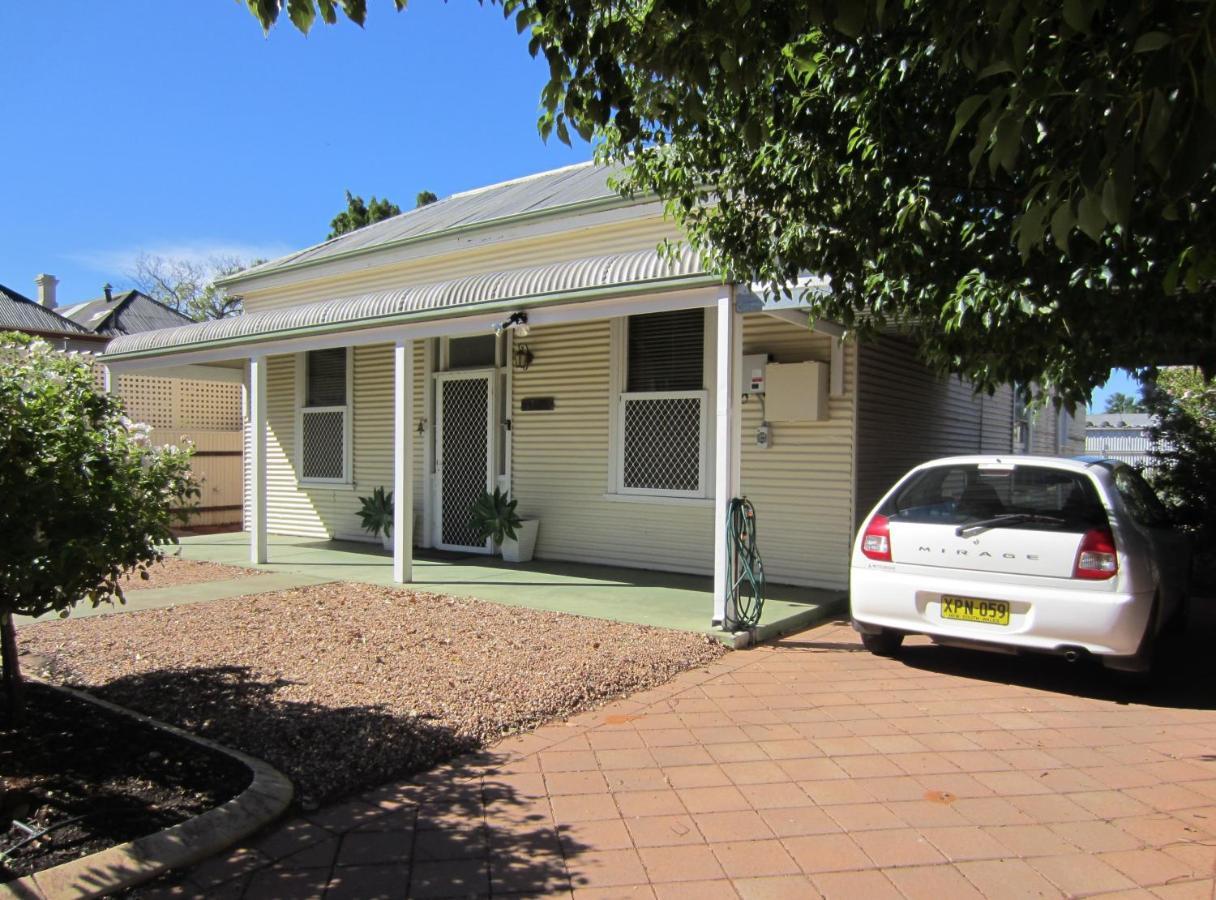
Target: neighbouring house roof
{"points": [[535, 195], [128, 312], [532, 286], [20, 313], [1134, 421]]}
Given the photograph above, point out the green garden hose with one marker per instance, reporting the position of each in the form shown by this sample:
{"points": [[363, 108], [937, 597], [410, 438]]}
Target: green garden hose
{"points": [[745, 569]]}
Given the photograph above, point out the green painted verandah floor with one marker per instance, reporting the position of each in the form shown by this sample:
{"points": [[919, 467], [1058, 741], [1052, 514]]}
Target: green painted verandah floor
{"points": [[630, 595]]}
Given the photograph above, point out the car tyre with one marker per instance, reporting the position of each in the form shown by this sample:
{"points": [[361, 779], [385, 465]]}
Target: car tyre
{"points": [[885, 643]]}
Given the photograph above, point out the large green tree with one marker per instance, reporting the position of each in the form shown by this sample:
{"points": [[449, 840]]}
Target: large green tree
{"points": [[1024, 185], [359, 213], [86, 498], [1119, 402]]}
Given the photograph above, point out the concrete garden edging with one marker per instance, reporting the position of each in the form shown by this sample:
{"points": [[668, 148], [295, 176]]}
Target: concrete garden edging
{"points": [[189, 842]]}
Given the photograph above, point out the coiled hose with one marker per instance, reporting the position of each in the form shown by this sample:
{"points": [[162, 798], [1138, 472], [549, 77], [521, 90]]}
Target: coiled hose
{"points": [[745, 569]]}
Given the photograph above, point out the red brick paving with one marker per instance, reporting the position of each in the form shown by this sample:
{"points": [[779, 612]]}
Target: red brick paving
{"points": [[803, 769]]}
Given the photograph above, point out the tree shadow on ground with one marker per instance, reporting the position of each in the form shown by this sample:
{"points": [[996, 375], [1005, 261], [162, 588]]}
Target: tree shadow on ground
{"points": [[1184, 676], [328, 752]]}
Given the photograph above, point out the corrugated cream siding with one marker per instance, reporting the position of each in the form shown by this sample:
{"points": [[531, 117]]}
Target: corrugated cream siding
{"points": [[560, 462], [333, 512], [613, 238], [802, 485], [906, 415]]}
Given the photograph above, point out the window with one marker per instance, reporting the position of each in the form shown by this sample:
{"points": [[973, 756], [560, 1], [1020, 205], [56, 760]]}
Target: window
{"points": [[324, 416], [662, 413], [958, 494], [477, 352]]}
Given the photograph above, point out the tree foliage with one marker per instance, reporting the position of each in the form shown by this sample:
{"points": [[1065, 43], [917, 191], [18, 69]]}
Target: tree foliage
{"points": [[358, 214], [1026, 186], [86, 497], [1119, 402], [1183, 404], [425, 198], [188, 285]]}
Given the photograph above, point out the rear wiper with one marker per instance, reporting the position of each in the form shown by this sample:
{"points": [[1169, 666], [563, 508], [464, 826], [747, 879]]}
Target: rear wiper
{"points": [[1007, 519]]}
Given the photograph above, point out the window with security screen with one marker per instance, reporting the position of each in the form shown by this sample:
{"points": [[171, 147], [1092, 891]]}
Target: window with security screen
{"points": [[324, 416], [661, 419]]}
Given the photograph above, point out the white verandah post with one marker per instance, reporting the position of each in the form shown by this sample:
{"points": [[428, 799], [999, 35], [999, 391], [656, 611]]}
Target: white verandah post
{"points": [[257, 459], [727, 414], [403, 462]]}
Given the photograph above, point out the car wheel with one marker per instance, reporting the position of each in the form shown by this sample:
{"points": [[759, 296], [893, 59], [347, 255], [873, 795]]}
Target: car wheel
{"points": [[885, 643]]}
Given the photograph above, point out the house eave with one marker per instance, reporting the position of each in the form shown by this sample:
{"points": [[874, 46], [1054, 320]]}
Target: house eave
{"points": [[418, 317]]}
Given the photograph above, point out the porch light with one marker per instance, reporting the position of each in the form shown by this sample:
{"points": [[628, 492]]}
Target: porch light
{"points": [[521, 357], [517, 322]]}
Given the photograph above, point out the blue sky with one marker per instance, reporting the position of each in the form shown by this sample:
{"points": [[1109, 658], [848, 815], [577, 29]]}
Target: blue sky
{"points": [[176, 128]]}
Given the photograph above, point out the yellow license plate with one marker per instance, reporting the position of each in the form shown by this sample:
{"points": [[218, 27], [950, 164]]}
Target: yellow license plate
{"points": [[972, 609]]}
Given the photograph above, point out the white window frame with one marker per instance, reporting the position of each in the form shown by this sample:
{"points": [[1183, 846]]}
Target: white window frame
{"points": [[347, 480], [619, 397]]}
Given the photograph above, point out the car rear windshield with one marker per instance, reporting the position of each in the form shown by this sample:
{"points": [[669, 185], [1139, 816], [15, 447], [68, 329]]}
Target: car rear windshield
{"points": [[1039, 497]]}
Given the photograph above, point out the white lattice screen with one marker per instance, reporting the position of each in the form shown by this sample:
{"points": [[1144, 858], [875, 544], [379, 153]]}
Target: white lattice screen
{"points": [[661, 437], [178, 403]]}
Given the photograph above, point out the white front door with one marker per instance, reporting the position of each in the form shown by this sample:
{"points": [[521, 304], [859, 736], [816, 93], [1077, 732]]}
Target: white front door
{"points": [[464, 413]]}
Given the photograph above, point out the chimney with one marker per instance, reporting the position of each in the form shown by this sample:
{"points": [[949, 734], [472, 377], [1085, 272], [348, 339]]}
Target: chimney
{"points": [[109, 291], [46, 289]]}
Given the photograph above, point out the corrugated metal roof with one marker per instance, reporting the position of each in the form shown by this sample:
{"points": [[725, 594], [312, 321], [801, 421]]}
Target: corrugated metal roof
{"points": [[129, 312], [463, 294], [20, 313], [535, 193]]}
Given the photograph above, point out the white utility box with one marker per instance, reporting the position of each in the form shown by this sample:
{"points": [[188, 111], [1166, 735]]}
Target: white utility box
{"points": [[754, 365], [796, 392]]}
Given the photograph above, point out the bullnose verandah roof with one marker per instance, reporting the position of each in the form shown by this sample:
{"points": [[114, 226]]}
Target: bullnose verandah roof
{"points": [[569, 281]]}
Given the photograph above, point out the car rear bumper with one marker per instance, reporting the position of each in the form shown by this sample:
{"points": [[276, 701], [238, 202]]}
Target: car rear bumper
{"points": [[1045, 619]]}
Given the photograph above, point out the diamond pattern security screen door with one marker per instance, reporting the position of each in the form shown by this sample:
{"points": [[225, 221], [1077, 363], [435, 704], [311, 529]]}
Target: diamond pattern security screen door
{"points": [[464, 457]]}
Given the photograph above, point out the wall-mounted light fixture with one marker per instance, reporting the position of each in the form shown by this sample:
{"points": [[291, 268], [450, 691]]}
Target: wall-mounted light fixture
{"points": [[521, 357]]}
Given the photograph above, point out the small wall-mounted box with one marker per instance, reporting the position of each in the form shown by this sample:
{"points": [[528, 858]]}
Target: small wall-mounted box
{"points": [[754, 365], [797, 392]]}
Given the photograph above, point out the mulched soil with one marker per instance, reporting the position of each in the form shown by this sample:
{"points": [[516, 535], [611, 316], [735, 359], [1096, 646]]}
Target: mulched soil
{"points": [[172, 571], [347, 686], [125, 779]]}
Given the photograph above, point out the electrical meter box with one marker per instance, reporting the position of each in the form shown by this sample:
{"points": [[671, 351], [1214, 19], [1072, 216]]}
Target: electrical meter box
{"points": [[797, 392], [754, 365]]}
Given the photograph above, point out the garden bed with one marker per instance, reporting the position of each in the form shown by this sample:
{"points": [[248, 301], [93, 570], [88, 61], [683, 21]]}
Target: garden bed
{"points": [[346, 686], [118, 778]]}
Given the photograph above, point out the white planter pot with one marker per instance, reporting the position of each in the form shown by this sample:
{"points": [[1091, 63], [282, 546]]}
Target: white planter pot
{"points": [[520, 549], [386, 541]]}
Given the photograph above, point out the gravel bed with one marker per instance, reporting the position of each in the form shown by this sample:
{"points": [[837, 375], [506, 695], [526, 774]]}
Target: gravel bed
{"points": [[346, 686], [173, 570]]}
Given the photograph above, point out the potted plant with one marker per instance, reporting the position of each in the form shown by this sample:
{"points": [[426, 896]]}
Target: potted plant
{"points": [[494, 517], [377, 515]]}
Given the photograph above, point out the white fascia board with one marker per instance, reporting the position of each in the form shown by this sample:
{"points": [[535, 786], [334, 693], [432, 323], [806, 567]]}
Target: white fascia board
{"points": [[423, 247], [457, 326]]}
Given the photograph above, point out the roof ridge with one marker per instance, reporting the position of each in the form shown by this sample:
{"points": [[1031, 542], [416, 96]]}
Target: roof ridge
{"points": [[519, 180]]}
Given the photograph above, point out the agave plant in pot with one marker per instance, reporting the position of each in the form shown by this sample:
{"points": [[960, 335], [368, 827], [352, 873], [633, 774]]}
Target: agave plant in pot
{"points": [[494, 517], [377, 515]]}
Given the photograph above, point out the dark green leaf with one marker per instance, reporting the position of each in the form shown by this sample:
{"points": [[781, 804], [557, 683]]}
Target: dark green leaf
{"points": [[1150, 41]]}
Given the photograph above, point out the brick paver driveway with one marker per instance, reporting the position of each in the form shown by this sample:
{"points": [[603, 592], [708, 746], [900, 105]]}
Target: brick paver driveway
{"points": [[802, 769]]}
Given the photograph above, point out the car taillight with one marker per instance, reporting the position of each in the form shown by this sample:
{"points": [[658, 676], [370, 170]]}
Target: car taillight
{"points": [[1096, 557], [876, 542]]}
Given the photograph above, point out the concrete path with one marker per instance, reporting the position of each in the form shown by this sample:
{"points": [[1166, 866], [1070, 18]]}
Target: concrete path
{"points": [[800, 769], [197, 592]]}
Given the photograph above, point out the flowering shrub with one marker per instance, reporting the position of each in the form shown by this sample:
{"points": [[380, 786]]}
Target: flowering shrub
{"points": [[84, 496]]}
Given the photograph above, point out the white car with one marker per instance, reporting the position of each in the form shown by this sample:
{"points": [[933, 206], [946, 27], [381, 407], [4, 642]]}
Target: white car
{"points": [[1074, 557]]}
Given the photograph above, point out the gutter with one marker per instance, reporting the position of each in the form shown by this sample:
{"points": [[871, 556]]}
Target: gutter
{"points": [[592, 205], [419, 316]]}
